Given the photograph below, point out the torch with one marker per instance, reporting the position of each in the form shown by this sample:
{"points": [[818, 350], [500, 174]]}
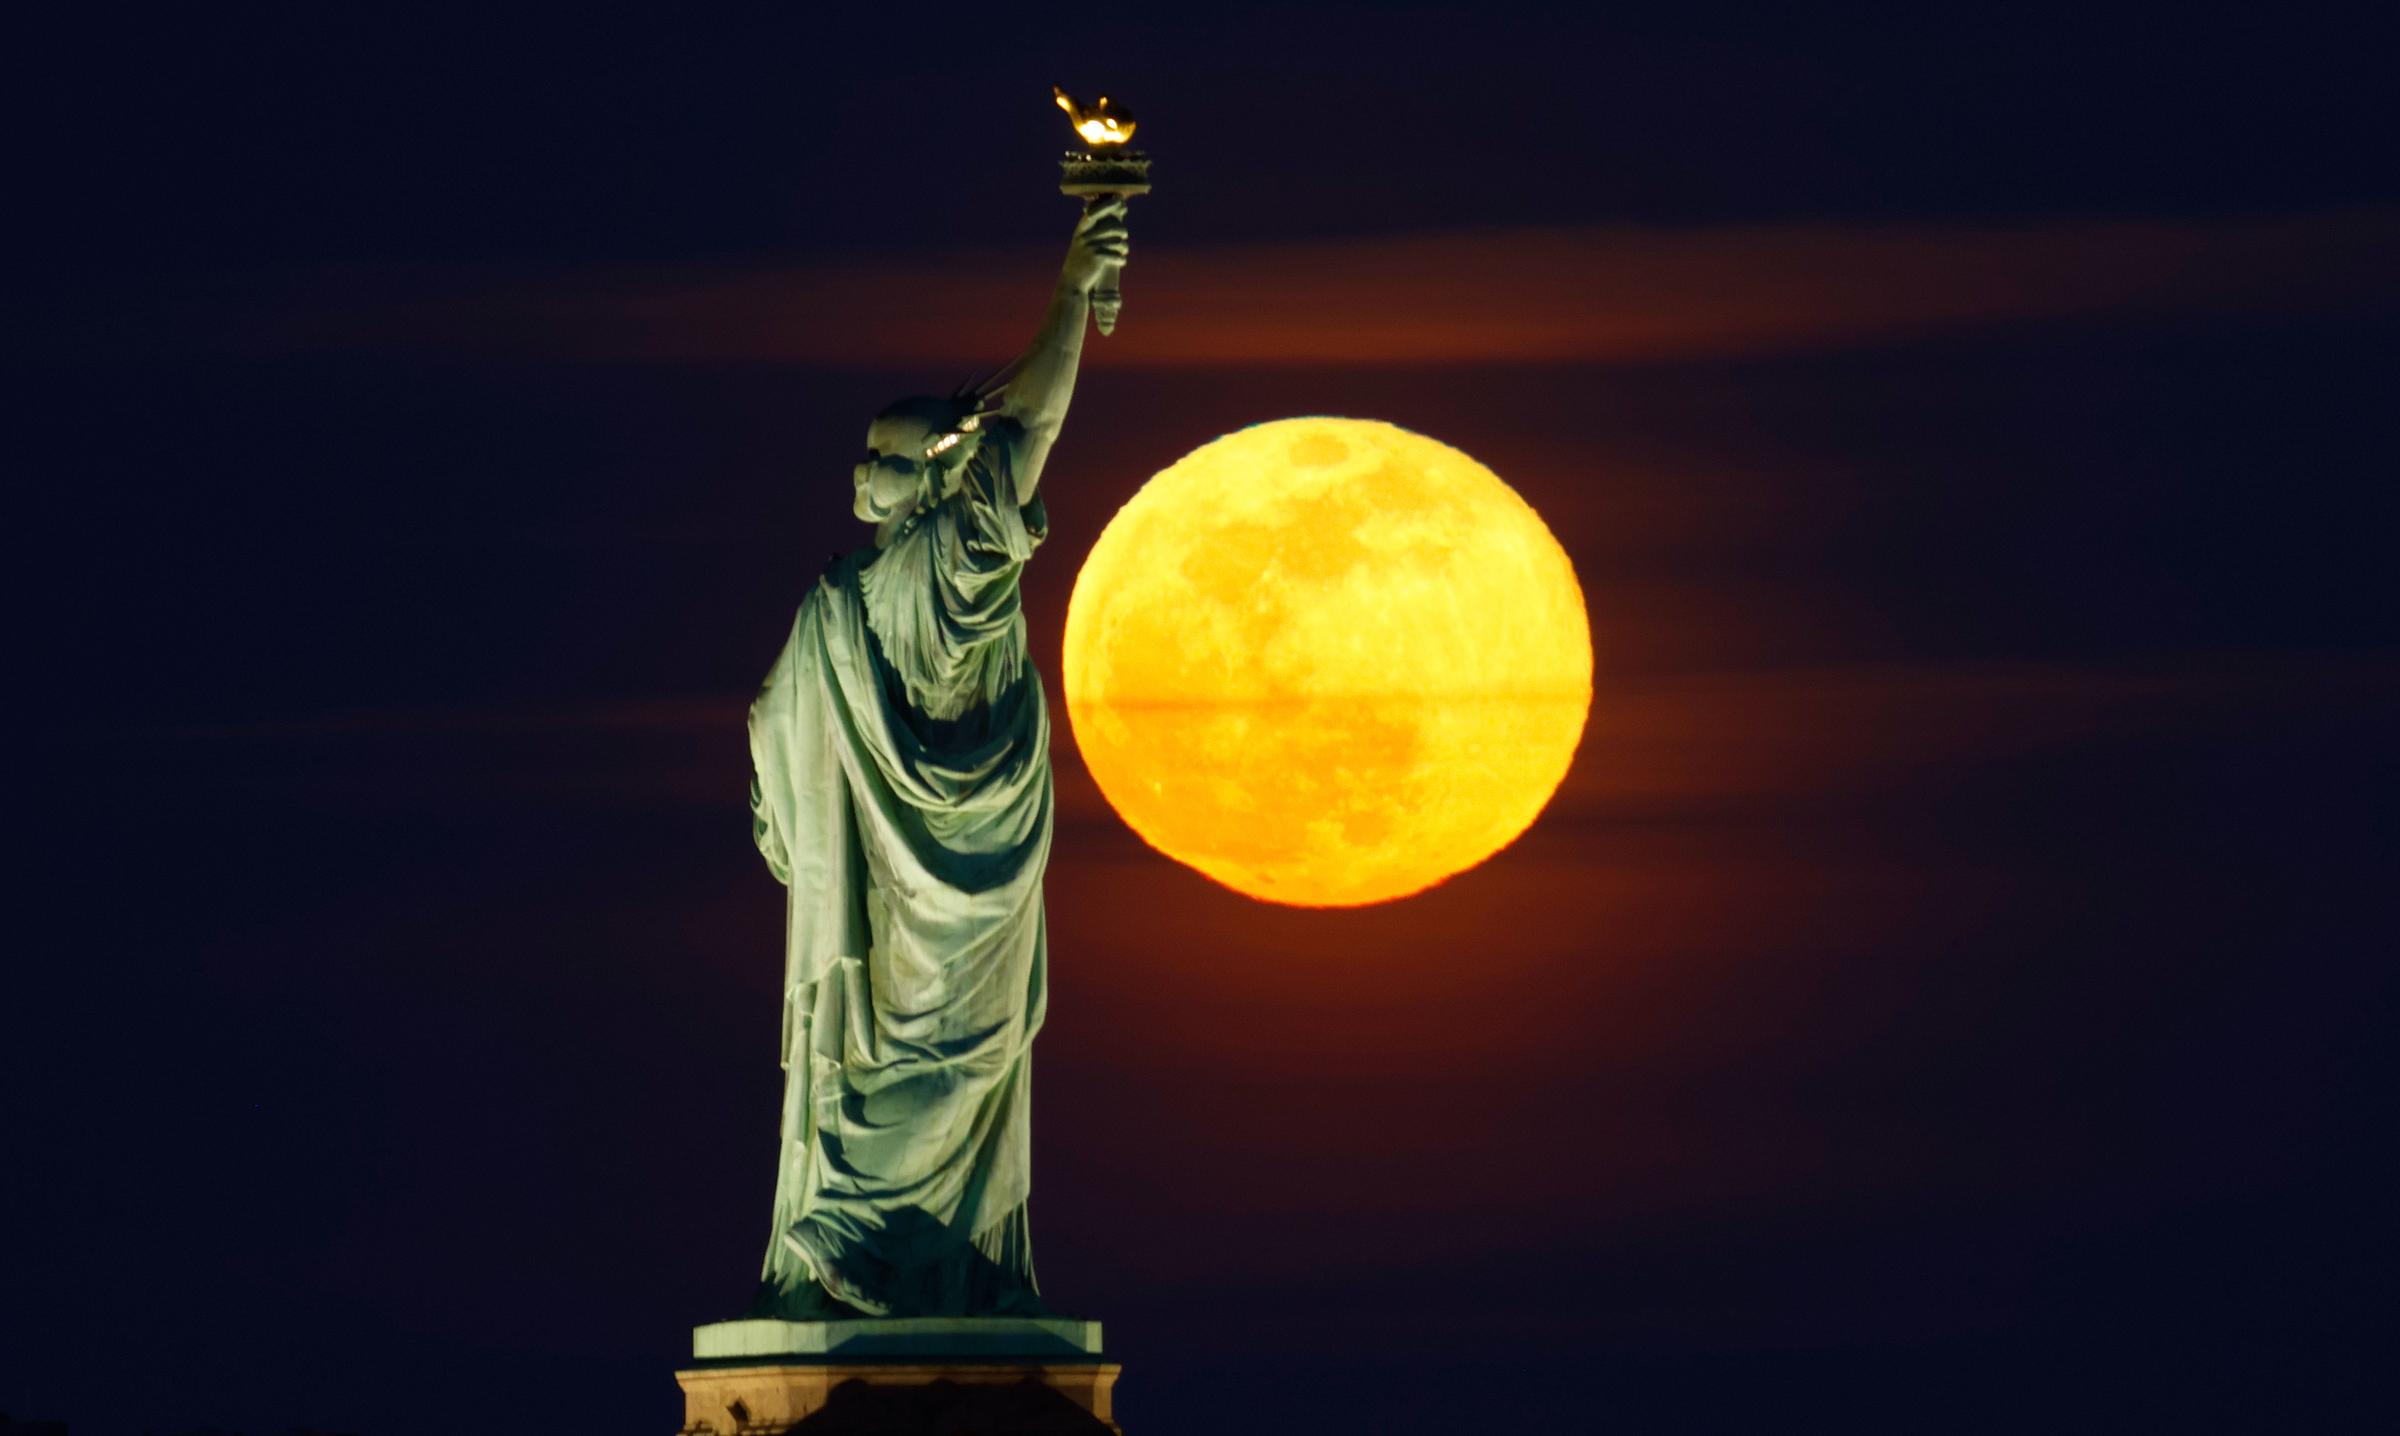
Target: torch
{"points": [[1106, 167]]}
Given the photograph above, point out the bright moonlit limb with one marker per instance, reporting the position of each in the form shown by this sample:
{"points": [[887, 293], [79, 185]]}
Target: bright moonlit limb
{"points": [[1327, 662]]}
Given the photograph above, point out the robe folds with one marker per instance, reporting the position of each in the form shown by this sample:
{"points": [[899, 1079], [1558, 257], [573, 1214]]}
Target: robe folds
{"points": [[901, 792]]}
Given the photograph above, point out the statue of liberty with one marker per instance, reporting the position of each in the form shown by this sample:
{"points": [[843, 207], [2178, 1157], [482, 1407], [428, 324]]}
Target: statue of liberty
{"points": [[901, 750]]}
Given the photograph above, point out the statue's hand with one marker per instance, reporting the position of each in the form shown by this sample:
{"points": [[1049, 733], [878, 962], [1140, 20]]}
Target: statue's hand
{"points": [[1099, 246]]}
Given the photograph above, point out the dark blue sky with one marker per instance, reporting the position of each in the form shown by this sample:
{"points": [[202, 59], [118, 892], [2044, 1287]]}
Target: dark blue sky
{"points": [[1947, 992]]}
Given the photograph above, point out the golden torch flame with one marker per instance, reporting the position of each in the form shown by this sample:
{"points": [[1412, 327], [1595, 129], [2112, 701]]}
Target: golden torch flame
{"points": [[1104, 123]]}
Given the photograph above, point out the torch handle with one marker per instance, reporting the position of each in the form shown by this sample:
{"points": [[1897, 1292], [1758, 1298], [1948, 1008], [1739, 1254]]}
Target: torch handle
{"points": [[1094, 179], [1107, 299]]}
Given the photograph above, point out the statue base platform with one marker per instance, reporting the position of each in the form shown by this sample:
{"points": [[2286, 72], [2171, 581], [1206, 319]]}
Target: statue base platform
{"points": [[934, 1374], [873, 1337]]}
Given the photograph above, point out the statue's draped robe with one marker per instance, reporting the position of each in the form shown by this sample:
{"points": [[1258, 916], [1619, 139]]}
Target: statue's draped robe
{"points": [[902, 794]]}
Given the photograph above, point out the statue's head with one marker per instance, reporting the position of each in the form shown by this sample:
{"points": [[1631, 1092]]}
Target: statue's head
{"points": [[916, 450]]}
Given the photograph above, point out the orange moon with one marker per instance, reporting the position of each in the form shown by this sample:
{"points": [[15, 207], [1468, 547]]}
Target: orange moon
{"points": [[1327, 662]]}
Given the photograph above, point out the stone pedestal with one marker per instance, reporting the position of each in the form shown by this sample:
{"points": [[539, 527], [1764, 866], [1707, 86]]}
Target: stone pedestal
{"points": [[753, 1378]]}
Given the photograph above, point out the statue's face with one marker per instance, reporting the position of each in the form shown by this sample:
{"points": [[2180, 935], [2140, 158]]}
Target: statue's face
{"points": [[894, 472]]}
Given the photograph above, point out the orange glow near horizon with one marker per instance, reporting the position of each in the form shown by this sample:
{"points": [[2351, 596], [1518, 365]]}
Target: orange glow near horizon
{"points": [[1327, 662]]}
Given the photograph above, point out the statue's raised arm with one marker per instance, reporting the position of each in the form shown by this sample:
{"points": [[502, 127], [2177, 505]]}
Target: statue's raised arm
{"points": [[1044, 380]]}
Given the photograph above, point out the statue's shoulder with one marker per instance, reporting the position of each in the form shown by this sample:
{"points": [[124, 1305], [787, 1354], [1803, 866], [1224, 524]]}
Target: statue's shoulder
{"points": [[1004, 442]]}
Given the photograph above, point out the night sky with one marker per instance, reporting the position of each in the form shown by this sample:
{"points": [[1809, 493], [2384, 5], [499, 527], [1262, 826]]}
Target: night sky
{"points": [[1950, 991]]}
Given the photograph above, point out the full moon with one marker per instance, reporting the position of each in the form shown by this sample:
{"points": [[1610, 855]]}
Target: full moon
{"points": [[1327, 662]]}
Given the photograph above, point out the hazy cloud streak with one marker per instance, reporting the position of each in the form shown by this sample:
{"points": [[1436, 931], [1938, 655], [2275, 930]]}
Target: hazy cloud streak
{"points": [[1545, 295]]}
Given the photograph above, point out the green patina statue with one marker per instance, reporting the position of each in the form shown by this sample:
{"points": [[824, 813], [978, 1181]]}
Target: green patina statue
{"points": [[902, 795]]}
